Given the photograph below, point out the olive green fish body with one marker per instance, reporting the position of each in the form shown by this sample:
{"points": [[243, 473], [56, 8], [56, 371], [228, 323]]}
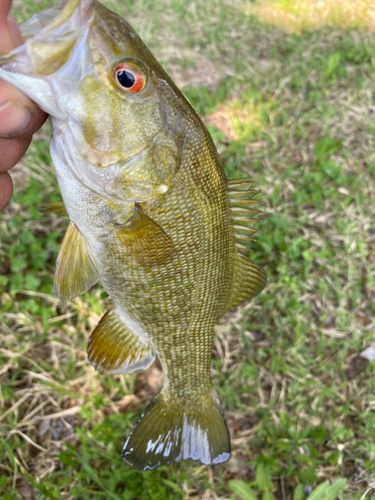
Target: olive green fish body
{"points": [[152, 217], [176, 302], [178, 298]]}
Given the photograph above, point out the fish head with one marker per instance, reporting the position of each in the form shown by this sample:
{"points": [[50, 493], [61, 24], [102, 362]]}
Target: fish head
{"points": [[117, 119]]}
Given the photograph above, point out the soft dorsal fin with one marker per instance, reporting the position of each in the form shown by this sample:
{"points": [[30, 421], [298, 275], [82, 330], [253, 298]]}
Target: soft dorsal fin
{"points": [[115, 348], [146, 241], [56, 207], [76, 270], [249, 279]]}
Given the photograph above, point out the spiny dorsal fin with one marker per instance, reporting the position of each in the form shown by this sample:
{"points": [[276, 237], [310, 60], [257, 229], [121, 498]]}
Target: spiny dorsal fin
{"points": [[146, 241], [115, 348], [76, 270], [241, 204], [249, 281], [56, 207]]}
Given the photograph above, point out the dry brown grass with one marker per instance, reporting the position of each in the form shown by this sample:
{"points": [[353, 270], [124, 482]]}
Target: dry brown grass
{"points": [[306, 15]]}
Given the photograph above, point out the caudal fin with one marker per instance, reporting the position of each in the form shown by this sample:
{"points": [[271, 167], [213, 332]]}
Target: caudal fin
{"points": [[170, 430]]}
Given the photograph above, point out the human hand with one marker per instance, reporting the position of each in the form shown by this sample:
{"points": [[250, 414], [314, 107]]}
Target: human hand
{"points": [[20, 117]]}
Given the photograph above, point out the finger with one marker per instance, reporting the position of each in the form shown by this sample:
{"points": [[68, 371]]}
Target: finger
{"points": [[6, 40], [14, 30], [6, 189], [12, 151], [19, 116]]}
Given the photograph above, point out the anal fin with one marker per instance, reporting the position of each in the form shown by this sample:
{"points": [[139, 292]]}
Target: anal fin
{"points": [[76, 270], [115, 348]]}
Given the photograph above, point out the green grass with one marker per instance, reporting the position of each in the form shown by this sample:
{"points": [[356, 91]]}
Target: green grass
{"points": [[295, 113]]}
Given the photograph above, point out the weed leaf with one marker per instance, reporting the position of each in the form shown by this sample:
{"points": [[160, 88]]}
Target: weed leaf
{"points": [[327, 491], [331, 65], [326, 147], [263, 478], [299, 493], [242, 489], [267, 495]]}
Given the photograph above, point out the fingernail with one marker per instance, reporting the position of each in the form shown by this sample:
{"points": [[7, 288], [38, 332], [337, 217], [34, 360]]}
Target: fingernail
{"points": [[13, 118]]}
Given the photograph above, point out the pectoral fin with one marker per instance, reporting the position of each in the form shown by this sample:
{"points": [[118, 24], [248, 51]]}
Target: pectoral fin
{"points": [[76, 270], [57, 208], [115, 348], [146, 241]]}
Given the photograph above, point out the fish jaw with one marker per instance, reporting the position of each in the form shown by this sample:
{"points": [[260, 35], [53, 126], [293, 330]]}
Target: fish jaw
{"points": [[116, 144], [52, 37]]}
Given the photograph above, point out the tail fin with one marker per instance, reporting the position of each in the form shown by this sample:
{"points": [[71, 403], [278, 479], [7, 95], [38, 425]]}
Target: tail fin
{"points": [[169, 431]]}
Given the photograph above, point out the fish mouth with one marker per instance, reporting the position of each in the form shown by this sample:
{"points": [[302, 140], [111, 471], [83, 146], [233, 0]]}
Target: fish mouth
{"points": [[50, 39], [57, 17]]}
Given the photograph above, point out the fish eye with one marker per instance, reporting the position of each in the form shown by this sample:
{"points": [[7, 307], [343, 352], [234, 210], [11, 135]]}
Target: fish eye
{"points": [[129, 76]]}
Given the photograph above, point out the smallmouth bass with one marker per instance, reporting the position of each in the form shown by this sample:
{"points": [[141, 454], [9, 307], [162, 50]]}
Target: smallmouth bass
{"points": [[152, 217]]}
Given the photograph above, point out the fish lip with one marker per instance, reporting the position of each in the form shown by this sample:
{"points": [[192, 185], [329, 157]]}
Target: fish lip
{"points": [[92, 179], [97, 158], [123, 158], [126, 160]]}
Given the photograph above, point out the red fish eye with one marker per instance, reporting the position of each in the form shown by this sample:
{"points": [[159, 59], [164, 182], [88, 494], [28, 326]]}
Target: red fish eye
{"points": [[128, 76]]}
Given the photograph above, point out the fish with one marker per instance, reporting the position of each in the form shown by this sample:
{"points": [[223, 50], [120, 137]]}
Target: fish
{"points": [[152, 216]]}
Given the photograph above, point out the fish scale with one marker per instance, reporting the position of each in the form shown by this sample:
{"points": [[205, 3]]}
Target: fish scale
{"points": [[152, 217]]}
